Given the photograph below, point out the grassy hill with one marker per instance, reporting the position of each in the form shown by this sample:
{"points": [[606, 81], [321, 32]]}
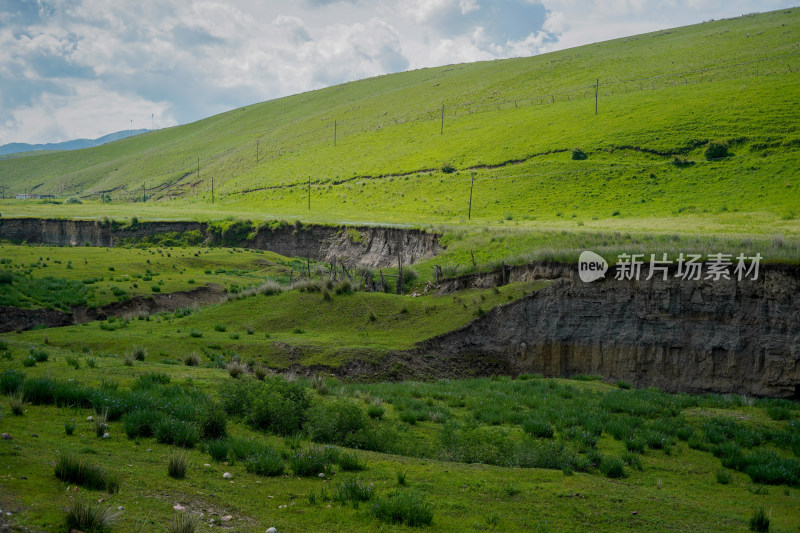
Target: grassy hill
{"points": [[405, 147]]}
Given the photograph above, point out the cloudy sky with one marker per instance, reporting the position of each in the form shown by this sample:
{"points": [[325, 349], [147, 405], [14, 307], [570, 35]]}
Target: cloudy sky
{"points": [[84, 68]]}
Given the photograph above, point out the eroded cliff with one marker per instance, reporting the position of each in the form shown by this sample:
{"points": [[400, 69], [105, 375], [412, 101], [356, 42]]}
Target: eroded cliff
{"points": [[679, 335]]}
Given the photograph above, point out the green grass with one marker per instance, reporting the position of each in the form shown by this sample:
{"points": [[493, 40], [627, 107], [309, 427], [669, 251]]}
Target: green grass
{"points": [[46, 276], [388, 163], [333, 331], [484, 426]]}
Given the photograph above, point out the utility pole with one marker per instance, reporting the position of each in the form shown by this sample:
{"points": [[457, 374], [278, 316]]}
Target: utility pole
{"points": [[596, 90], [471, 186], [144, 193], [309, 193], [441, 129]]}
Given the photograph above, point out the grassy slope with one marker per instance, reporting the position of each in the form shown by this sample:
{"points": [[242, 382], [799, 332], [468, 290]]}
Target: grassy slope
{"points": [[171, 269], [495, 112], [330, 332], [674, 492]]}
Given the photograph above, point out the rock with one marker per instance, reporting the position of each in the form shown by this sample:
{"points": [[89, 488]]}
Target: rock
{"points": [[106, 435], [226, 518], [321, 474], [178, 507], [6, 436], [227, 475], [90, 419], [207, 465], [120, 508], [272, 530]]}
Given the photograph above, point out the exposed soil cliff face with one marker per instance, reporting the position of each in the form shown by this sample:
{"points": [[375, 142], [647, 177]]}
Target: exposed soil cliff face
{"points": [[365, 246], [720, 336]]}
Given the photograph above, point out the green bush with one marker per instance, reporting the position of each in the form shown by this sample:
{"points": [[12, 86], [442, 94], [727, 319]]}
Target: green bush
{"points": [[72, 469], [140, 423], [184, 523], [6, 277], [354, 490], [350, 462], [218, 449], [310, 462], [716, 150], [11, 381], [266, 462], [85, 515], [69, 428], [376, 411], [538, 427], [336, 422], [213, 423], [579, 155], [613, 467], [177, 432], [177, 465], [39, 355], [407, 508], [759, 521]]}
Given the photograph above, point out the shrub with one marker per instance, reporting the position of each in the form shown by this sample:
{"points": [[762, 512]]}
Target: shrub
{"points": [[350, 462], [213, 423], [538, 427], [29, 361], [184, 523], [319, 383], [236, 368], [310, 462], [73, 361], [192, 360], [140, 423], [196, 334], [69, 427], [336, 422], [176, 467], [39, 355], [723, 477], [101, 423], [220, 327], [15, 402], [138, 352], [260, 372], [266, 462], [716, 150], [354, 490], [613, 467], [406, 508], [578, 154], [759, 521], [84, 515], [148, 380], [624, 385], [275, 412], [155, 288], [448, 168], [344, 287], [218, 449], [376, 411], [178, 432], [11, 381], [6, 277], [73, 200], [401, 478], [72, 469]]}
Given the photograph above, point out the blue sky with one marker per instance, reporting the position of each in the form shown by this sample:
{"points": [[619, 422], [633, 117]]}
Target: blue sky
{"points": [[84, 68]]}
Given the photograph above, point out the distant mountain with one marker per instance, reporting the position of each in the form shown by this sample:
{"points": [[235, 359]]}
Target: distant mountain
{"points": [[77, 144]]}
